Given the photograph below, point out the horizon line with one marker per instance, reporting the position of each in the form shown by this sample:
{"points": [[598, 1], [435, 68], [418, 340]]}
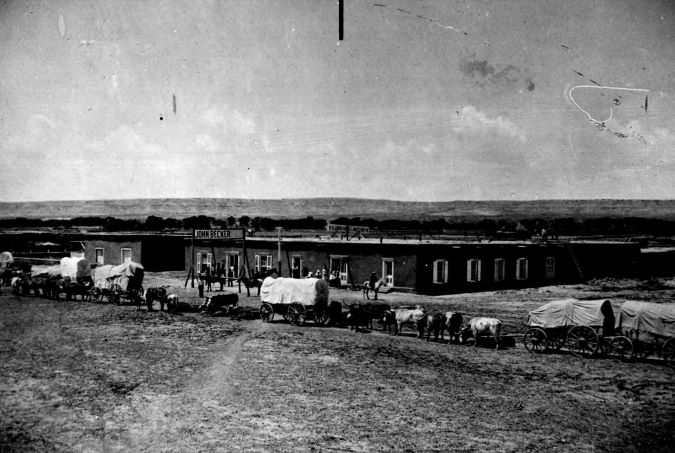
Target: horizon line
{"points": [[528, 200]]}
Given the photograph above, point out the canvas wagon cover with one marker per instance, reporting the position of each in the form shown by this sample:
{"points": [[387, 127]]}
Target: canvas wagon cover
{"points": [[53, 270], [75, 267], [106, 276], [658, 319], [571, 312], [307, 291], [6, 259]]}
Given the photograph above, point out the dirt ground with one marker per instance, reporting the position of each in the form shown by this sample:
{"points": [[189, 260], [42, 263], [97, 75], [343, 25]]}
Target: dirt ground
{"points": [[80, 376]]}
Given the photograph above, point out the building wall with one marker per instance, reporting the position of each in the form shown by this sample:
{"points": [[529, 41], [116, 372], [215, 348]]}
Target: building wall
{"points": [[362, 258], [457, 257], [414, 262], [112, 250]]}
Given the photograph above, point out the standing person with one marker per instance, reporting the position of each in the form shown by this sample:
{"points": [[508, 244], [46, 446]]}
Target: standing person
{"points": [[200, 285], [373, 284], [230, 277], [324, 273], [207, 275], [221, 276]]}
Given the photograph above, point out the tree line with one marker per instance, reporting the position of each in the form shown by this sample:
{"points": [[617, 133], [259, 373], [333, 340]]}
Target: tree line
{"points": [[487, 227]]}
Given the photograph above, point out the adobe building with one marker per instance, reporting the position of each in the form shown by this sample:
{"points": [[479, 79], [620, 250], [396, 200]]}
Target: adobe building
{"points": [[155, 251], [427, 267], [422, 266]]}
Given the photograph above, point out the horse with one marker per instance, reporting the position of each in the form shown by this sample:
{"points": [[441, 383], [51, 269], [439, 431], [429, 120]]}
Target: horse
{"points": [[254, 282], [375, 288]]}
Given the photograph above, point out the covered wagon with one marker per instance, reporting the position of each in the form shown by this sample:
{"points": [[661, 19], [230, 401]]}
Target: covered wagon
{"points": [[651, 328], [78, 269], [584, 326], [295, 299], [119, 283]]}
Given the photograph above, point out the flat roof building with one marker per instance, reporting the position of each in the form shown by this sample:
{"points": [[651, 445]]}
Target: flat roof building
{"points": [[427, 266]]}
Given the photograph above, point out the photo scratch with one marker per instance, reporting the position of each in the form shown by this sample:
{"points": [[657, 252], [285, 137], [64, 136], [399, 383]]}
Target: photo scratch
{"points": [[426, 19]]}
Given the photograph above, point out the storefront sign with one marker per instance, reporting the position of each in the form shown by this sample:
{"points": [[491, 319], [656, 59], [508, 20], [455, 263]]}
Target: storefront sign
{"points": [[235, 233]]}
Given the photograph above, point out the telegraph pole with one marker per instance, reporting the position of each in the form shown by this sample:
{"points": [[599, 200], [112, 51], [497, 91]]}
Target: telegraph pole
{"points": [[279, 250]]}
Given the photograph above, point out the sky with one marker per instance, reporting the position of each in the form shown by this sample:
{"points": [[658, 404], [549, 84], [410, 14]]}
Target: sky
{"points": [[420, 101]]}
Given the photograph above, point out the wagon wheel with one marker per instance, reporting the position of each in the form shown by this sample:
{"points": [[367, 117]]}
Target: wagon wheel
{"points": [[668, 352], [266, 312], [556, 342], [296, 314], [96, 294], [535, 340], [620, 348], [583, 341], [321, 317], [115, 295]]}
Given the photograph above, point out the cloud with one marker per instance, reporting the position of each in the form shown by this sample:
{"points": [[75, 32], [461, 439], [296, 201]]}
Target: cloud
{"points": [[231, 121], [125, 142], [206, 143], [37, 132], [470, 120]]}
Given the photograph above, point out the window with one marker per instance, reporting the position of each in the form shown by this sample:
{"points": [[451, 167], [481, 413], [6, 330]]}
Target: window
{"points": [[99, 255], [500, 269], [521, 269], [473, 270], [550, 267], [263, 263], [126, 255], [440, 271], [388, 271]]}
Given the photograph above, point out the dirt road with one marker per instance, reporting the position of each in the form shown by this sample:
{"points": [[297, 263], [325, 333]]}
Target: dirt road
{"points": [[78, 376]]}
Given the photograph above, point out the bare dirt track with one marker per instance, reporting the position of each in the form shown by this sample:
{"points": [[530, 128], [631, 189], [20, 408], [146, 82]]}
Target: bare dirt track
{"points": [[79, 376]]}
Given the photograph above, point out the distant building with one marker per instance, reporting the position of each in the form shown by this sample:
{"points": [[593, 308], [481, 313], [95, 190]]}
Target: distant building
{"points": [[428, 267]]}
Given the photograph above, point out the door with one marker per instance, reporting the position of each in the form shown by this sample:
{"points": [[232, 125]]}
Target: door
{"points": [[203, 261], [388, 272], [340, 264], [296, 272], [233, 262]]}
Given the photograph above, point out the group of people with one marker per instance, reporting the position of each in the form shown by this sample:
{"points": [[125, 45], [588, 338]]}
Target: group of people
{"points": [[321, 273], [208, 276]]}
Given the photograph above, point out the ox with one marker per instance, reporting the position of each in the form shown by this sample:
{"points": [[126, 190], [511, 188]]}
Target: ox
{"points": [[364, 315], [357, 316], [435, 324], [491, 327], [172, 305], [73, 288], [400, 316], [453, 322], [16, 285], [335, 313], [152, 294], [226, 302]]}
